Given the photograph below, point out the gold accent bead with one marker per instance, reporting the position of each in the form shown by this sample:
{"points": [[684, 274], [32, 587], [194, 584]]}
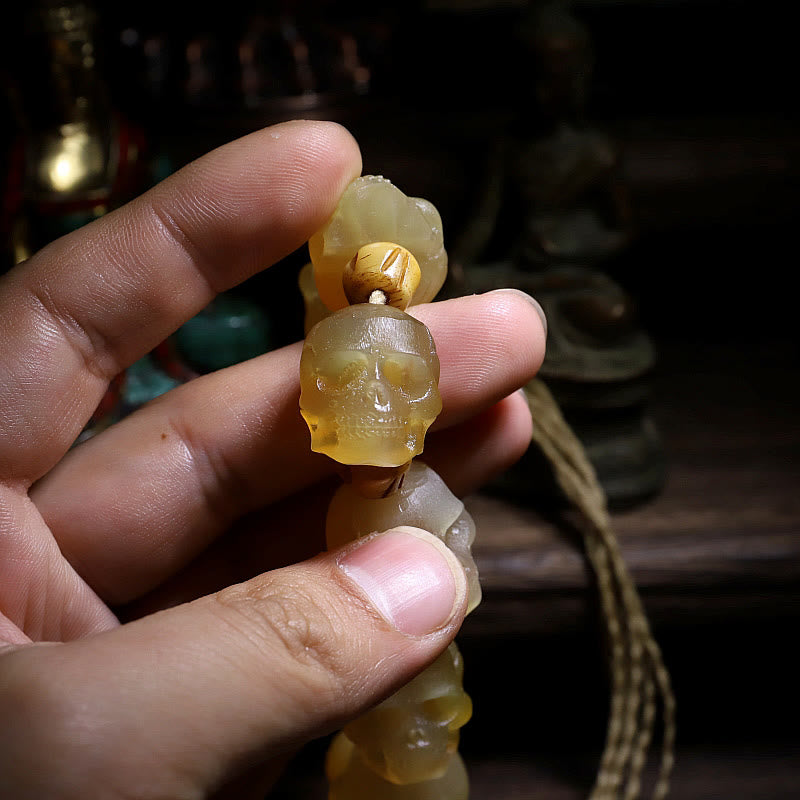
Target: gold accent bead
{"points": [[385, 267]]}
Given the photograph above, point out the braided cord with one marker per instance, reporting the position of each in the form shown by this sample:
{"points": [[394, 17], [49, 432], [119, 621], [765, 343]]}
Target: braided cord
{"points": [[639, 678]]}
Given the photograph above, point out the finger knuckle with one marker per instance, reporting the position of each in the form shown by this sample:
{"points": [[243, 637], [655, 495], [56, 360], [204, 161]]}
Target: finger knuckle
{"points": [[288, 624]]}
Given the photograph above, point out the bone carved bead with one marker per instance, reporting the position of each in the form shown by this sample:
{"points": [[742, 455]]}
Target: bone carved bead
{"points": [[385, 267]]}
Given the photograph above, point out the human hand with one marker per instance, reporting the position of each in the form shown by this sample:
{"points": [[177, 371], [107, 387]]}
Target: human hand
{"points": [[190, 516]]}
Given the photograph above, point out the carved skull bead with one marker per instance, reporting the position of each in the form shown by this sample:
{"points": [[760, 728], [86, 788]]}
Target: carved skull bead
{"points": [[369, 378], [413, 735]]}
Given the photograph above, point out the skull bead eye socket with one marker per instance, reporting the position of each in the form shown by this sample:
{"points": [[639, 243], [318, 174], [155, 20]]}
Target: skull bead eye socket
{"points": [[407, 372], [453, 709], [341, 369]]}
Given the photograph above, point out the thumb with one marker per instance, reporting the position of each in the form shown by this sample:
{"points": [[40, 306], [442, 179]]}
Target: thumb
{"points": [[174, 704]]}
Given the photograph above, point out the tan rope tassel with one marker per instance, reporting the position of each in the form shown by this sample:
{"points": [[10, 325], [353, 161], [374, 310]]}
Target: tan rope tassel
{"points": [[638, 675]]}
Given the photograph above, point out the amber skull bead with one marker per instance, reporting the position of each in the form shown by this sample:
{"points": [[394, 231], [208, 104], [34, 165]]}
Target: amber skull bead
{"points": [[369, 378], [412, 736]]}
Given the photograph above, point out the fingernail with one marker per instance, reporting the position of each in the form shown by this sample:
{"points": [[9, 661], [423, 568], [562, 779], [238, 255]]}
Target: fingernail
{"points": [[533, 302], [410, 577]]}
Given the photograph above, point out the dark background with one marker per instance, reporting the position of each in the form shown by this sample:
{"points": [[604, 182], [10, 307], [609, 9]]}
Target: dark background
{"points": [[701, 97]]}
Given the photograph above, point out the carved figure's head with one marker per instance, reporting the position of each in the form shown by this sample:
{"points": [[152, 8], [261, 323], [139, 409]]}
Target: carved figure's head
{"points": [[413, 735], [369, 378]]}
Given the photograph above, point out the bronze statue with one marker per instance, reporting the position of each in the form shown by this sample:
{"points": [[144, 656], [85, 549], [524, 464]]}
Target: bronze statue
{"points": [[552, 217]]}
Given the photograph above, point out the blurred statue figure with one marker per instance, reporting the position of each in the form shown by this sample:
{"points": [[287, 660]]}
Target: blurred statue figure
{"points": [[552, 217]]}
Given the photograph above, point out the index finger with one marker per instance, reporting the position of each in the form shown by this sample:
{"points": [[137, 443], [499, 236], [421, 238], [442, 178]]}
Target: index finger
{"points": [[91, 303]]}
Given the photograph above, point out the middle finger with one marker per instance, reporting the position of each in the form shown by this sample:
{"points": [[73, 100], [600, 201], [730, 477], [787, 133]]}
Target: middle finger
{"points": [[139, 501]]}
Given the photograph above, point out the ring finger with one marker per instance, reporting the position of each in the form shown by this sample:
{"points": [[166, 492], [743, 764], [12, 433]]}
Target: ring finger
{"points": [[138, 502]]}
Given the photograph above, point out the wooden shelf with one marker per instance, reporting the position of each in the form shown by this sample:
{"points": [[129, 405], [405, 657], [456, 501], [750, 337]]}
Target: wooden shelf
{"points": [[725, 530]]}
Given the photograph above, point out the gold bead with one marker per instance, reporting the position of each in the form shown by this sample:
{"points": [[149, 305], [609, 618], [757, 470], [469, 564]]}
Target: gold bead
{"points": [[384, 267]]}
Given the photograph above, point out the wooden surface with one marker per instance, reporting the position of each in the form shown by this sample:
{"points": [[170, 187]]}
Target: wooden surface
{"points": [[724, 530]]}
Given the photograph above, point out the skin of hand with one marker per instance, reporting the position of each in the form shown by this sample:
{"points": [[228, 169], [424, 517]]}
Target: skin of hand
{"points": [[169, 627]]}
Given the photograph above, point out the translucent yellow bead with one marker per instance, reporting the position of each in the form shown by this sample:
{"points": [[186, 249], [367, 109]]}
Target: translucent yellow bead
{"points": [[411, 737], [315, 309], [372, 209], [423, 501], [369, 379]]}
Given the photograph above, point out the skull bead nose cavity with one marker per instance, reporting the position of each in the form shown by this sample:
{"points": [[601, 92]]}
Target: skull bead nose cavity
{"points": [[376, 391]]}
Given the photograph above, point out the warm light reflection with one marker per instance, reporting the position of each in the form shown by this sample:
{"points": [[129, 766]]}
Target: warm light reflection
{"points": [[69, 166], [64, 171], [71, 159]]}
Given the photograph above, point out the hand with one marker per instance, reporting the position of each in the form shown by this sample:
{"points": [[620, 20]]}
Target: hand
{"points": [[190, 517]]}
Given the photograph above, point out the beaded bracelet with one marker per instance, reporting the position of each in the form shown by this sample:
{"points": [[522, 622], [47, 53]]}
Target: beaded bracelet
{"points": [[369, 378]]}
